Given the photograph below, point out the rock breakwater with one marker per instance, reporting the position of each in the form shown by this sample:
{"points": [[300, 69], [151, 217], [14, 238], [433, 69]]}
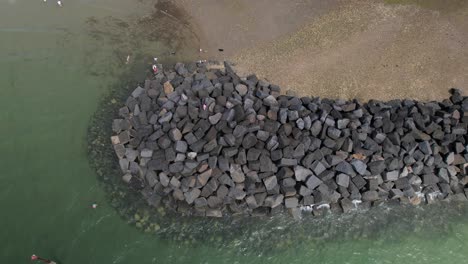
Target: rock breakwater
{"points": [[200, 140]]}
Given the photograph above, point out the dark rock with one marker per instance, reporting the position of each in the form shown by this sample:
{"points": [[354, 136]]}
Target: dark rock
{"points": [[376, 167], [249, 141], [345, 168], [230, 152], [266, 165], [430, 179], [253, 154]]}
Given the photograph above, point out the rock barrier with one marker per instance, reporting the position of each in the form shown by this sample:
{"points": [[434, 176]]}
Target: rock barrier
{"points": [[201, 140]]}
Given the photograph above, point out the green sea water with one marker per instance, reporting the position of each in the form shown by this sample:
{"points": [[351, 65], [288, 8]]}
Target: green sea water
{"points": [[55, 66]]}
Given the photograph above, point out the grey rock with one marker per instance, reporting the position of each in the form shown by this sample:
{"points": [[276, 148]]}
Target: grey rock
{"points": [[301, 173], [214, 119], [127, 178], [263, 135], [146, 153], [236, 173], [249, 141], [137, 92], [181, 146], [270, 182], [391, 175], [164, 179], [274, 200], [191, 195], [345, 168], [241, 89], [287, 162], [430, 179], [376, 167], [342, 180], [370, 196], [316, 128], [359, 166], [165, 118], [317, 167], [270, 101], [291, 202], [313, 182]]}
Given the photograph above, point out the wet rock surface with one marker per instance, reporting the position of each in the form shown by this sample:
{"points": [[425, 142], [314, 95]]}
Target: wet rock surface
{"points": [[200, 140]]}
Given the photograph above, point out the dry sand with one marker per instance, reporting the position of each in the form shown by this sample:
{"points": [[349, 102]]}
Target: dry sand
{"points": [[347, 49]]}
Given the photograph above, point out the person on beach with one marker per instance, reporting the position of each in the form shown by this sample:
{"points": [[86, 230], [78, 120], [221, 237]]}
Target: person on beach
{"points": [[43, 260], [59, 3]]}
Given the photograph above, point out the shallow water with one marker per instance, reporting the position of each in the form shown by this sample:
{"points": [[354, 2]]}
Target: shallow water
{"points": [[55, 65]]}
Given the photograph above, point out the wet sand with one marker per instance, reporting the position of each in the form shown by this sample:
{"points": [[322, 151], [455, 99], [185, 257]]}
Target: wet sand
{"points": [[347, 49]]}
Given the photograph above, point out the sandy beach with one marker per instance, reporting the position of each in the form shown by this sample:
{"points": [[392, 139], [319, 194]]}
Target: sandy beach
{"points": [[341, 49]]}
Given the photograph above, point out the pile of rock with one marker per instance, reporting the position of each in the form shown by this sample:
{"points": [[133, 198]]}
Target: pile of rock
{"points": [[204, 141]]}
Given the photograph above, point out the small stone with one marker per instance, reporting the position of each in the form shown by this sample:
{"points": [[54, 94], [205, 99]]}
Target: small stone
{"points": [[376, 167], [241, 89], [270, 101], [214, 119], [249, 141], [345, 168], [253, 154], [342, 180], [391, 175], [316, 128], [168, 88], [165, 118], [287, 162], [127, 177], [192, 195], [181, 146], [301, 173], [274, 200], [291, 202], [359, 166], [396, 194], [370, 196], [201, 202], [146, 153], [313, 182], [204, 177], [214, 213], [175, 134], [163, 179], [137, 92], [236, 173], [270, 182]]}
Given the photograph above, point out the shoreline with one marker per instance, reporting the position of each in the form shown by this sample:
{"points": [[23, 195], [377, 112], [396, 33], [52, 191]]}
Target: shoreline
{"points": [[325, 166], [346, 49]]}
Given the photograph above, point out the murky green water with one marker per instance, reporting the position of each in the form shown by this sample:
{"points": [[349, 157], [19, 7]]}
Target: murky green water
{"points": [[55, 65]]}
